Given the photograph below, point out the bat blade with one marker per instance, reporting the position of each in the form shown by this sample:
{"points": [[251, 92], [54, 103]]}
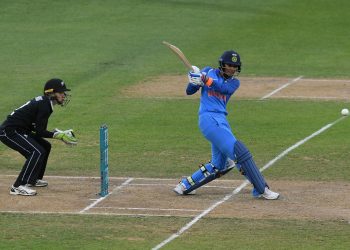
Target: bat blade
{"points": [[179, 53]]}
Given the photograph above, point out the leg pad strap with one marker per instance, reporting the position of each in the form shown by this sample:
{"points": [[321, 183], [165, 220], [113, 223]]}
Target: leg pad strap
{"points": [[206, 173]]}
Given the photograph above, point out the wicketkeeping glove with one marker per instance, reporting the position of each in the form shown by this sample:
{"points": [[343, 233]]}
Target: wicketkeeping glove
{"points": [[195, 76], [66, 136]]}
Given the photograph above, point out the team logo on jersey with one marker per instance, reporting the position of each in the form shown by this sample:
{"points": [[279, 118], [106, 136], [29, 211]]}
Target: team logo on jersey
{"points": [[234, 58]]}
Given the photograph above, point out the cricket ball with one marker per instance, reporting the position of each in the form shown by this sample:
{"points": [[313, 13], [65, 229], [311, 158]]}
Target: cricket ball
{"points": [[345, 112]]}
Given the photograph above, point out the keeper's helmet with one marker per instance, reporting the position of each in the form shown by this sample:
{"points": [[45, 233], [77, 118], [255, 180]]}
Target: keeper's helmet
{"points": [[230, 57], [56, 85]]}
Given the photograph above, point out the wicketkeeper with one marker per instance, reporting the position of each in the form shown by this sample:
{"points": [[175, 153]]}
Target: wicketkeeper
{"points": [[24, 130]]}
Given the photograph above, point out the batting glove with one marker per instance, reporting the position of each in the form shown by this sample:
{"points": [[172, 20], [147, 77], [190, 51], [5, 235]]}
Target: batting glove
{"points": [[195, 76], [66, 136], [195, 69]]}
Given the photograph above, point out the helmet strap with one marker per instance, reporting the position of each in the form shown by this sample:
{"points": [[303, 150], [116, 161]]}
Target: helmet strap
{"points": [[53, 99]]}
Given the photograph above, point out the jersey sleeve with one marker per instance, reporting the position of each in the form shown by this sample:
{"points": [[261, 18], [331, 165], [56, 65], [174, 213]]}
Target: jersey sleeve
{"points": [[192, 89], [42, 118]]}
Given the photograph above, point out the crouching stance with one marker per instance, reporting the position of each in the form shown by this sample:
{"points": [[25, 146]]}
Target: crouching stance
{"points": [[217, 86], [24, 130]]}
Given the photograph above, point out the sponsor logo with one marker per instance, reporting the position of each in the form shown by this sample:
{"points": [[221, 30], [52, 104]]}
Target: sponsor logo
{"points": [[217, 95]]}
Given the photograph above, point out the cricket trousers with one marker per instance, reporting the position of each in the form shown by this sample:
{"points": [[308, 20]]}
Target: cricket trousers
{"points": [[216, 129], [35, 149]]}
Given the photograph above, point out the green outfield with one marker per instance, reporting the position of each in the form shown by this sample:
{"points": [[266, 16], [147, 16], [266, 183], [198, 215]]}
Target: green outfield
{"points": [[101, 47]]}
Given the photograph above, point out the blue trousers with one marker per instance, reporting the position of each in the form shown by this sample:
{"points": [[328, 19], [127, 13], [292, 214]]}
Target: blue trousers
{"points": [[216, 129]]}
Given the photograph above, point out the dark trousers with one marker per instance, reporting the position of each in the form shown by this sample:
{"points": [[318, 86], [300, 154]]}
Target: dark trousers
{"points": [[35, 149]]}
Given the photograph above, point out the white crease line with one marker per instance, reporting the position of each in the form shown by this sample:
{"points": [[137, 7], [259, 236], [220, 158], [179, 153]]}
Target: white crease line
{"points": [[102, 198], [238, 189], [144, 215], [282, 87], [133, 184], [325, 80], [150, 209], [92, 213], [311, 97], [116, 178], [171, 185], [95, 177]]}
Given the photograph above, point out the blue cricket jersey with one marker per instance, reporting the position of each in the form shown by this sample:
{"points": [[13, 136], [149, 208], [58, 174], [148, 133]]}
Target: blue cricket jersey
{"points": [[215, 93]]}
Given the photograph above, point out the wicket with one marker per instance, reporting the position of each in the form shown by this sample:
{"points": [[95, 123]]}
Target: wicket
{"points": [[104, 160]]}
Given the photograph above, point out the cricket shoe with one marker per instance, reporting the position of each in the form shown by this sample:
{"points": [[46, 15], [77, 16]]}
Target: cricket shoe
{"points": [[270, 195], [39, 183], [22, 190], [180, 188]]}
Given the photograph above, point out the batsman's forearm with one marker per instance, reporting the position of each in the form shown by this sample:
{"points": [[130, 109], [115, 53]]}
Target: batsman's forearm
{"points": [[192, 89]]}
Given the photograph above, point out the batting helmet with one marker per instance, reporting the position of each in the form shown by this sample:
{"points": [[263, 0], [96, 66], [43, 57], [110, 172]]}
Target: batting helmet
{"points": [[230, 57], [55, 85]]}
